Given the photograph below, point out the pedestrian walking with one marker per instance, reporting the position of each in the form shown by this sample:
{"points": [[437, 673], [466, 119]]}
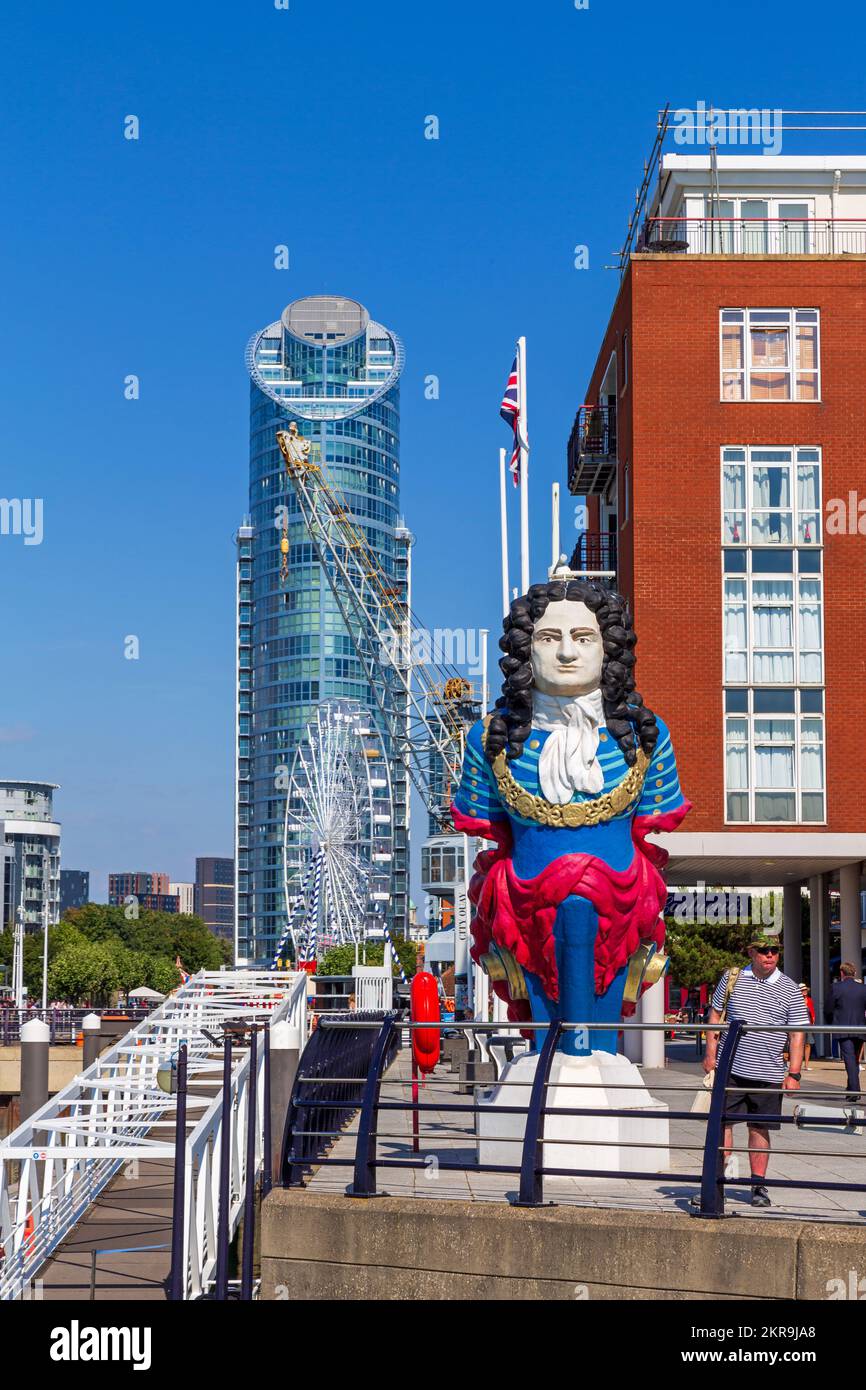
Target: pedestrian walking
{"points": [[847, 1009], [765, 998]]}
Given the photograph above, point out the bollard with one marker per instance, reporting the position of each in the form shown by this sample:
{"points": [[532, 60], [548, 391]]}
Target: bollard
{"points": [[91, 1027], [35, 1037], [284, 1053]]}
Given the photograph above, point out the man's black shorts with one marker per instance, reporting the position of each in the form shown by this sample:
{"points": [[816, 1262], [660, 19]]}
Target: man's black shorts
{"points": [[756, 1102]]}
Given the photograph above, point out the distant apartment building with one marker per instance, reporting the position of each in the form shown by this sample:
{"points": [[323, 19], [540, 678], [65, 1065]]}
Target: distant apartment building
{"points": [[29, 854], [215, 894], [74, 889], [185, 894], [152, 891]]}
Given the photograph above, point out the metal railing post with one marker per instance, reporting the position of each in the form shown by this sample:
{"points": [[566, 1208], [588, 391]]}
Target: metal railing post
{"points": [[177, 1276], [267, 1157], [531, 1193], [221, 1285], [250, 1175], [712, 1200], [364, 1174]]}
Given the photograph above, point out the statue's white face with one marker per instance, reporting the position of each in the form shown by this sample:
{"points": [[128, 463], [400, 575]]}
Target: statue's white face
{"points": [[567, 650]]}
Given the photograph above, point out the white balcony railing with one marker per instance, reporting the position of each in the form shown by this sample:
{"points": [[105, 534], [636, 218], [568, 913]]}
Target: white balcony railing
{"points": [[755, 236]]}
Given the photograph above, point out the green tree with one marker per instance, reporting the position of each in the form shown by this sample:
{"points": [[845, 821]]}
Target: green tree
{"points": [[82, 971], [340, 959], [162, 974]]}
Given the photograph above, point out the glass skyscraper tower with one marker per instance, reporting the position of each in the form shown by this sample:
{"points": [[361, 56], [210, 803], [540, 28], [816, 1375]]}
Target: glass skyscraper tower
{"points": [[326, 365]]}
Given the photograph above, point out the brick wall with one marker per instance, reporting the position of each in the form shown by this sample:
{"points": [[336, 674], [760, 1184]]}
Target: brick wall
{"points": [[672, 425]]}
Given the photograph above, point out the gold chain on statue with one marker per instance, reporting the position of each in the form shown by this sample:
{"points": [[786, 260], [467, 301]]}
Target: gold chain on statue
{"points": [[571, 813]]}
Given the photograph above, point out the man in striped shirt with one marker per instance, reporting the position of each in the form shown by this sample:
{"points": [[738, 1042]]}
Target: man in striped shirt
{"points": [[764, 997]]}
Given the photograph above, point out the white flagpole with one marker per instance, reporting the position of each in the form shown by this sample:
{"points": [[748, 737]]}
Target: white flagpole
{"points": [[524, 466], [554, 527], [503, 529]]}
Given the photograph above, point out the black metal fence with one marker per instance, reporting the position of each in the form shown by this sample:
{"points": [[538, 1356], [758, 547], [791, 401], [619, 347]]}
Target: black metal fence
{"points": [[333, 1071], [330, 1123], [64, 1024]]}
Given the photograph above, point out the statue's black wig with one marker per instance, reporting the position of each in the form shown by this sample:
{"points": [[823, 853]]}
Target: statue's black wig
{"points": [[626, 716]]}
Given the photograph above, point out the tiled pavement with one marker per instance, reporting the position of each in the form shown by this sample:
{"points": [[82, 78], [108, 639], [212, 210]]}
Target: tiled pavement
{"points": [[450, 1137]]}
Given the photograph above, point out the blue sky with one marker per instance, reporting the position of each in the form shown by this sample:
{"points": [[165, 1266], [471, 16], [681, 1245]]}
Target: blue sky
{"points": [[306, 127]]}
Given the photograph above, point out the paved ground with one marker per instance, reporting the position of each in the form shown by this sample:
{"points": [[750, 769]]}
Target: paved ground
{"points": [[832, 1157], [134, 1210]]}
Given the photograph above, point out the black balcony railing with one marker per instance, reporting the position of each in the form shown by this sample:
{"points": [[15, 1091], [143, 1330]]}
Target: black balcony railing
{"points": [[755, 236], [596, 552], [592, 449]]}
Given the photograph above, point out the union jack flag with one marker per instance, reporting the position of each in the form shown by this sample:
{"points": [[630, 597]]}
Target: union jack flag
{"points": [[510, 412]]}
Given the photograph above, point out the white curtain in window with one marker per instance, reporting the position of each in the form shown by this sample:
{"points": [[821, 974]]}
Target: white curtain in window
{"points": [[773, 626], [737, 767], [774, 668], [773, 590], [774, 753], [771, 486], [807, 489], [734, 486], [736, 667], [811, 756], [769, 528]]}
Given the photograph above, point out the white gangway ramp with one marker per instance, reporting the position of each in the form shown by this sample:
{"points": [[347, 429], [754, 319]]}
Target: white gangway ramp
{"points": [[54, 1165]]}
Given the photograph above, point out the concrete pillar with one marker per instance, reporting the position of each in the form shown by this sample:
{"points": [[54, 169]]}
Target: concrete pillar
{"points": [[849, 883], [632, 1046], [285, 1053], [91, 1027], [35, 1037], [819, 929], [500, 1010], [792, 932], [652, 1010], [481, 994]]}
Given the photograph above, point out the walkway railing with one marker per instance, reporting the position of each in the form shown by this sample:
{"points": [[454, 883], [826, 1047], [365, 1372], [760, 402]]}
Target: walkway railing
{"points": [[329, 1087], [64, 1024], [55, 1164], [368, 1162]]}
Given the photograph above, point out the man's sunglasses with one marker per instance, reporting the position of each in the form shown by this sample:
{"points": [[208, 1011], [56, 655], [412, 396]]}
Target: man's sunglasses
{"points": [[767, 950]]}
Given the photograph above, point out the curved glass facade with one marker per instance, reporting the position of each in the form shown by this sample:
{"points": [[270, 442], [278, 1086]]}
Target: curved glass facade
{"points": [[327, 366]]}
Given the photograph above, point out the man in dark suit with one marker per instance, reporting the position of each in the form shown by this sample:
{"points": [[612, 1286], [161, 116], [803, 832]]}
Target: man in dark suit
{"points": [[848, 1009]]}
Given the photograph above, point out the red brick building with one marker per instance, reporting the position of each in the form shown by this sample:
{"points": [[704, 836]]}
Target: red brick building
{"points": [[720, 453]]}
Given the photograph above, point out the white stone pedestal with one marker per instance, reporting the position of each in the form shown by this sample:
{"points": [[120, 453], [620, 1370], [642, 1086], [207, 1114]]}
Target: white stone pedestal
{"points": [[608, 1081]]}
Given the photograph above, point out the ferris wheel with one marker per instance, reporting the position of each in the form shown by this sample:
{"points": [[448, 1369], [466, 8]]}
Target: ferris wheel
{"points": [[338, 833]]}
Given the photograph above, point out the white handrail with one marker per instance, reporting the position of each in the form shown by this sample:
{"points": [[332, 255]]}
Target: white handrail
{"points": [[55, 1164]]}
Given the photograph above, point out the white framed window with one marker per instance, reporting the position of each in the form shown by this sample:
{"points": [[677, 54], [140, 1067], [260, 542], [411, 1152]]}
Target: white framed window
{"points": [[774, 763], [771, 496], [773, 627], [770, 354], [762, 226]]}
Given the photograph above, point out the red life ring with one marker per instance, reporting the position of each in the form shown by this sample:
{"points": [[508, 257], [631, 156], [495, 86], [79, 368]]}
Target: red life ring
{"points": [[424, 1008]]}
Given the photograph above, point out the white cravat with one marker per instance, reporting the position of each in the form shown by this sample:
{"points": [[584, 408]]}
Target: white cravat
{"points": [[568, 762]]}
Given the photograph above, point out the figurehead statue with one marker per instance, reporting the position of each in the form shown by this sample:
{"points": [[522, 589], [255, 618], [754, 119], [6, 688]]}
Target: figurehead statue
{"points": [[568, 775]]}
